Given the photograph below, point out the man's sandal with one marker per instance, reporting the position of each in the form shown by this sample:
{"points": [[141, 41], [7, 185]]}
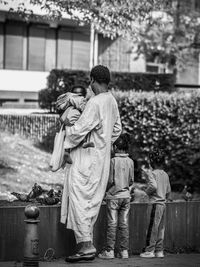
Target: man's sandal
{"points": [[80, 257]]}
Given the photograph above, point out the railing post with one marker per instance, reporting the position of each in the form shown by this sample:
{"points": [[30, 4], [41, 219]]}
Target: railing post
{"points": [[31, 240]]}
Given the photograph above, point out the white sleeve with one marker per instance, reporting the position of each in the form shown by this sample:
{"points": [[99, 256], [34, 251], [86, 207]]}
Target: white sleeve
{"points": [[88, 120], [117, 129], [151, 184]]}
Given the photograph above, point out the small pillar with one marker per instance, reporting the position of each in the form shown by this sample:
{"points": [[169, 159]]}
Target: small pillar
{"points": [[31, 239]]}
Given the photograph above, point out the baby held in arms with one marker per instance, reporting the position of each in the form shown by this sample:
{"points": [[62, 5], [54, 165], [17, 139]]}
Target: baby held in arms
{"points": [[70, 106]]}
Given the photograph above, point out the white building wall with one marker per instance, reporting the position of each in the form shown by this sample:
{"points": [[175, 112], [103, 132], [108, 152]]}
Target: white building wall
{"points": [[19, 80], [137, 63]]}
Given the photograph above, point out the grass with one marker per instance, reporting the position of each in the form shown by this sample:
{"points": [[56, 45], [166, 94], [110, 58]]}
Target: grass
{"points": [[22, 164]]}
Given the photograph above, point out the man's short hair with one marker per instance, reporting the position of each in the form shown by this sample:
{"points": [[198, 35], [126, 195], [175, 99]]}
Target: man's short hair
{"points": [[100, 74]]}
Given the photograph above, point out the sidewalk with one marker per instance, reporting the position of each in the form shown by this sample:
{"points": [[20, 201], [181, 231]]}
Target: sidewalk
{"points": [[171, 260]]}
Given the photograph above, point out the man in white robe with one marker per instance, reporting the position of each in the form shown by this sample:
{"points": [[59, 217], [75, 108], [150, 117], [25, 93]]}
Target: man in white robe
{"points": [[86, 179]]}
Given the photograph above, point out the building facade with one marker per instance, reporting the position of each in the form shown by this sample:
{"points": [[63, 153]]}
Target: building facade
{"points": [[29, 50]]}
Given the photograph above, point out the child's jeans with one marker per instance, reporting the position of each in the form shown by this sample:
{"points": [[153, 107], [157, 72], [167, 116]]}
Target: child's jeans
{"points": [[155, 235], [117, 218]]}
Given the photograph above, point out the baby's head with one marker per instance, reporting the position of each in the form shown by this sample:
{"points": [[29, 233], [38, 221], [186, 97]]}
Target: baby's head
{"points": [[79, 90], [122, 143], [156, 158]]}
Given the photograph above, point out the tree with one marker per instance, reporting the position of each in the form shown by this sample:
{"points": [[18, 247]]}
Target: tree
{"points": [[172, 36], [165, 29]]}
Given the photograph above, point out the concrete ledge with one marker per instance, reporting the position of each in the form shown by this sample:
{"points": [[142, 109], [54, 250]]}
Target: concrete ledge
{"points": [[182, 229]]}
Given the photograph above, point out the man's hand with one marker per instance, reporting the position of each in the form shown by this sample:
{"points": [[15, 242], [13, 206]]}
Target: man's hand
{"points": [[66, 159]]}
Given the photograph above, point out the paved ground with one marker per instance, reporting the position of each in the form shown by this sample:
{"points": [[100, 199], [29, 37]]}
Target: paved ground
{"points": [[170, 260]]}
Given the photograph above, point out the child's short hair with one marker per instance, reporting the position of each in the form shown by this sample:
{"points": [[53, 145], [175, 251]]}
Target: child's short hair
{"points": [[156, 157], [122, 143], [100, 74], [83, 89]]}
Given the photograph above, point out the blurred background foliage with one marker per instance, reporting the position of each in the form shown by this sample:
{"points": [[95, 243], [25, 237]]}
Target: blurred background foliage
{"points": [[61, 81], [167, 120]]}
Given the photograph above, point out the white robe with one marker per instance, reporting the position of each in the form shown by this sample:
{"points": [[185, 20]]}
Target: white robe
{"points": [[86, 179]]}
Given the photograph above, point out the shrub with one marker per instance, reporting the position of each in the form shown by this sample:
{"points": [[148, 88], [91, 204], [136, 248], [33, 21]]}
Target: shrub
{"points": [[170, 121], [142, 81], [60, 81]]}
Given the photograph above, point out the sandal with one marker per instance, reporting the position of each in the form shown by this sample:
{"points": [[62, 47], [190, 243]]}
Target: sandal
{"points": [[80, 257]]}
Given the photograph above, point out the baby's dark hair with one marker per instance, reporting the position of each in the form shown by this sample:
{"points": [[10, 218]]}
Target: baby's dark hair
{"points": [[122, 143], [100, 74], [84, 91], [156, 157]]}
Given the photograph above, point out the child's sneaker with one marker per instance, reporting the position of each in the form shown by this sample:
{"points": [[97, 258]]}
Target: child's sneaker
{"points": [[124, 254], [159, 254], [107, 254], [147, 254]]}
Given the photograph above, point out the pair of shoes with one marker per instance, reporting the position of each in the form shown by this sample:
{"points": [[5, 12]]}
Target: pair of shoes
{"points": [[124, 254], [80, 257], [147, 254], [159, 254], [107, 254]]}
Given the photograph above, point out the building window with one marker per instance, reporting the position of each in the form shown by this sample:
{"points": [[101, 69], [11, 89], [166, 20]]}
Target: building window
{"points": [[155, 67], [13, 54], [81, 51], [64, 48], [73, 49], [36, 48]]}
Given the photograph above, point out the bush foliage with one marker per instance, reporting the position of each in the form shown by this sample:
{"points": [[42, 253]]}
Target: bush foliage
{"points": [[169, 121], [60, 81]]}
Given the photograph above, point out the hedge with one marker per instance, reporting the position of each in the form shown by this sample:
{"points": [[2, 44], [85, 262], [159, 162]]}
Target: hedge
{"points": [[168, 121], [60, 81]]}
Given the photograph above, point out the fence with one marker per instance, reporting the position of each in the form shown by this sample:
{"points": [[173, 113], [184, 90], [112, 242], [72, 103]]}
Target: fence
{"points": [[182, 229], [32, 126]]}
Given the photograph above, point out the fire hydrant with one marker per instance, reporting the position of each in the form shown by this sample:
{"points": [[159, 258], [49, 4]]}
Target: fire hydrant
{"points": [[31, 240]]}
